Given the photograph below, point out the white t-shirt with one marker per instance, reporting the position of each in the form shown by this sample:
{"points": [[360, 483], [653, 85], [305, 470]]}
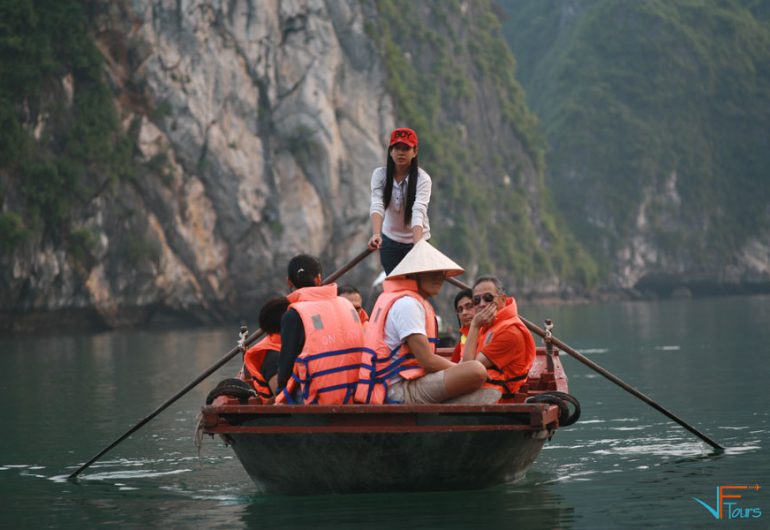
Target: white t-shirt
{"points": [[406, 317], [393, 218]]}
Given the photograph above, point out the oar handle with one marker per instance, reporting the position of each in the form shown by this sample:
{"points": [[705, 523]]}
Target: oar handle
{"points": [[595, 367], [216, 366], [345, 268]]}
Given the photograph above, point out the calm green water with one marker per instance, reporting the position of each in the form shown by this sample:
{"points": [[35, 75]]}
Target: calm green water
{"points": [[622, 465]]}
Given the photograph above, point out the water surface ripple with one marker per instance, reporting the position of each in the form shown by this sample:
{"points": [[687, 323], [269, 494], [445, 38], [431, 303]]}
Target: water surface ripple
{"points": [[622, 465]]}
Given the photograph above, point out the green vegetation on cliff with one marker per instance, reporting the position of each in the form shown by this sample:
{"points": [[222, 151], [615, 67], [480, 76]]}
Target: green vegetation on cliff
{"points": [[448, 65], [652, 98], [60, 139]]}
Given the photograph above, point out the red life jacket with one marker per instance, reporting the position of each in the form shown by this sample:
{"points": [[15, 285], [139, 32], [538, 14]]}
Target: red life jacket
{"points": [[510, 372], [379, 362], [252, 364], [326, 371]]}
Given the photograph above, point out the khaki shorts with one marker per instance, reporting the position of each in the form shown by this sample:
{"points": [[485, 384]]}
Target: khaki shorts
{"points": [[426, 389], [430, 389]]}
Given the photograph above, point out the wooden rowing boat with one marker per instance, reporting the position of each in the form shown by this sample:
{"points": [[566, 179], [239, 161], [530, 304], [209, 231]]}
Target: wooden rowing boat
{"points": [[314, 449]]}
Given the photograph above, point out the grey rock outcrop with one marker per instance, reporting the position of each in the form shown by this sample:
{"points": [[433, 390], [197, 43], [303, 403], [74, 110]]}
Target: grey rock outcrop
{"points": [[261, 121]]}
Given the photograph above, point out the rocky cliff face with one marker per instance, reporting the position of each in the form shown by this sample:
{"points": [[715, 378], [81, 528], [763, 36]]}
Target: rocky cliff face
{"points": [[248, 133], [260, 123]]}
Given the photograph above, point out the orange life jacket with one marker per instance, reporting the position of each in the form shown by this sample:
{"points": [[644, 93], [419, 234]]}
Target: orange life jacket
{"points": [[252, 364], [457, 354], [514, 368], [379, 362], [363, 316], [326, 371]]}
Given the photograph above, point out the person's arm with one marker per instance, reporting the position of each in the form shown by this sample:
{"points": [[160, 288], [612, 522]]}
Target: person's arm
{"points": [[420, 207], [377, 207], [417, 233], [292, 342], [270, 369], [408, 317], [456, 352], [469, 353], [422, 350], [376, 240], [482, 318]]}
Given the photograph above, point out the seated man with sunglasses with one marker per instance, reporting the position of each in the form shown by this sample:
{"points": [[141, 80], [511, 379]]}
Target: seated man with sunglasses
{"points": [[498, 338]]}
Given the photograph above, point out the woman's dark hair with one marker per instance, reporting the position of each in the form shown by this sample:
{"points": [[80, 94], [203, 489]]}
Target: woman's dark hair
{"points": [[303, 270], [271, 313], [411, 188], [347, 289], [465, 293]]}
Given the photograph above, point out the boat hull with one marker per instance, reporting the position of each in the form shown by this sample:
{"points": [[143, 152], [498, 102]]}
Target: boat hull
{"points": [[317, 449], [364, 449]]}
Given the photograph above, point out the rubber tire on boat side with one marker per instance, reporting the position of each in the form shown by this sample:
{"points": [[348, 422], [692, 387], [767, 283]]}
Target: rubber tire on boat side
{"points": [[561, 399], [231, 387]]}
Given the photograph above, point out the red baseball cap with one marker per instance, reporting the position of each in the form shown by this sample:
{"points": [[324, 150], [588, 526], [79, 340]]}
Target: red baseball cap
{"points": [[402, 135]]}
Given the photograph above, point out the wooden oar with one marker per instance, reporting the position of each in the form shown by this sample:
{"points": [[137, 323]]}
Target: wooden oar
{"points": [[216, 366], [615, 379]]}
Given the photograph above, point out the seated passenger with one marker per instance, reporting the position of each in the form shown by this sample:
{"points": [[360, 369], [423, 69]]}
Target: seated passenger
{"points": [[498, 338], [260, 362], [464, 308], [353, 294], [400, 365], [321, 340]]}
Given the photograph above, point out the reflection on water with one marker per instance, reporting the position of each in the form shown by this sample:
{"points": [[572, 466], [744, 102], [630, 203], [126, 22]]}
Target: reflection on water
{"points": [[529, 505], [622, 463]]}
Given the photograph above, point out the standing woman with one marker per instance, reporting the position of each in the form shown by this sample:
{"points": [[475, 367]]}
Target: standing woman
{"points": [[399, 204]]}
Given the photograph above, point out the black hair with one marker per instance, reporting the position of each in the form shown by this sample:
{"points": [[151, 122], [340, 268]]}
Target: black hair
{"points": [[411, 187], [493, 279], [347, 289], [465, 293], [271, 313], [303, 270]]}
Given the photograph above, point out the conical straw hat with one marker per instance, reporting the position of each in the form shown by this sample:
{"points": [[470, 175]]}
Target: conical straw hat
{"points": [[424, 257]]}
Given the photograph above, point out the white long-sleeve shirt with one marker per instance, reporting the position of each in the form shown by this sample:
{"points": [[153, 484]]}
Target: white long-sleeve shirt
{"points": [[393, 217]]}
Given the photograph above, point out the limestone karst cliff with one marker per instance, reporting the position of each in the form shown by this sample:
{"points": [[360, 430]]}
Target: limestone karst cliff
{"points": [[254, 127], [165, 159], [161, 161]]}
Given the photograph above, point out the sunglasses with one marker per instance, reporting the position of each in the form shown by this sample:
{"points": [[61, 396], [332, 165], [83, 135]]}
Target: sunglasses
{"points": [[487, 297]]}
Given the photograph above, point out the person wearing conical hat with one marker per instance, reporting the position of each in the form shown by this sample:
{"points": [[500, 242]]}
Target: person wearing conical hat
{"points": [[400, 364]]}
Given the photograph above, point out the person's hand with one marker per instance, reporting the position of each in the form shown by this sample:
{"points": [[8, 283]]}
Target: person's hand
{"points": [[485, 316], [375, 241]]}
